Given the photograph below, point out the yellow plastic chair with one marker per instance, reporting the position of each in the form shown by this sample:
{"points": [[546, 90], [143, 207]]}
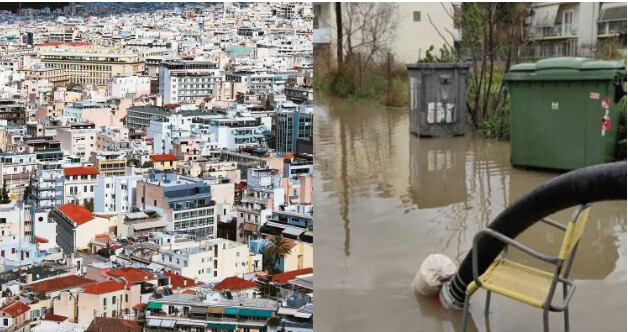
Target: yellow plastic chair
{"points": [[527, 284]]}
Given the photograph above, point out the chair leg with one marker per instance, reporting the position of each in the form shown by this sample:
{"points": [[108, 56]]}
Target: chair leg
{"points": [[566, 318], [465, 313], [488, 302], [545, 320]]}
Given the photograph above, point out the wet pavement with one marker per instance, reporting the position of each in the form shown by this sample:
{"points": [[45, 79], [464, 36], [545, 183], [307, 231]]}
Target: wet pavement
{"points": [[386, 199]]}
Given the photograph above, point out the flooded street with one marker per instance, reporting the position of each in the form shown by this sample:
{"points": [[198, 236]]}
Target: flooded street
{"points": [[386, 199]]}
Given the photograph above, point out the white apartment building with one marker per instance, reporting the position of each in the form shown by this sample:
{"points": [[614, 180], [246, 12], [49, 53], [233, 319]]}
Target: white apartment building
{"points": [[115, 193], [238, 132], [128, 86], [210, 260], [78, 184], [185, 81], [78, 142]]}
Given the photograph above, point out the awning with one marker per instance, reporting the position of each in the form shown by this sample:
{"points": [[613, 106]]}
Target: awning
{"points": [[250, 227], [613, 12], [150, 224], [544, 16], [198, 310], [293, 231], [168, 323], [231, 311], [287, 311], [229, 327], [154, 322], [188, 323], [255, 313], [303, 315], [154, 305], [215, 310]]}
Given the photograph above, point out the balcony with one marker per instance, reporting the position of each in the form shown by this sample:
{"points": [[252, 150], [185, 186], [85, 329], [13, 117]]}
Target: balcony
{"points": [[609, 29], [553, 32]]}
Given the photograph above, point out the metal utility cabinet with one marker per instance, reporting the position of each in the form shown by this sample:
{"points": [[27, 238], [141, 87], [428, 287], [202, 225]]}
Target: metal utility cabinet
{"points": [[564, 112], [438, 98]]}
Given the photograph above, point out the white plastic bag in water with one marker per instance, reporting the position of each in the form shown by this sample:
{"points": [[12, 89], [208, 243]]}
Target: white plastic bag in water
{"points": [[434, 271]]}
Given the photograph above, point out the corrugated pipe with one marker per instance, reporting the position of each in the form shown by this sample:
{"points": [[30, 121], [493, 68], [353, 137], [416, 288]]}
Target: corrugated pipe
{"points": [[587, 185]]}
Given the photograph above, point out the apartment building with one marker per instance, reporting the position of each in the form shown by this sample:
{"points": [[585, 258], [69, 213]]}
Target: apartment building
{"points": [[291, 126], [76, 227], [573, 29], [138, 118], [92, 68], [128, 86], [163, 162], [211, 310], [115, 193], [213, 259], [184, 203], [46, 186], [185, 81], [235, 133], [109, 163], [78, 142], [13, 112], [78, 184], [55, 76]]}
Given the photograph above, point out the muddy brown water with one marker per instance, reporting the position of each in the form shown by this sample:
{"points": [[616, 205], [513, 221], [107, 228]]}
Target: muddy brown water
{"points": [[386, 199]]}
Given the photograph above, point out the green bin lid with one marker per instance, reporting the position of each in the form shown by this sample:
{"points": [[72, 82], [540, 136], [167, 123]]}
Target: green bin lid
{"points": [[553, 69]]}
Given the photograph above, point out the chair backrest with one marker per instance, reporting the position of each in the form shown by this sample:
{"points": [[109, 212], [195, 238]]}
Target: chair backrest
{"points": [[574, 230]]}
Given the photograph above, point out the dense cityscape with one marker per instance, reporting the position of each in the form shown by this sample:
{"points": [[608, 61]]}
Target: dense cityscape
{"points": [[156, 165]]}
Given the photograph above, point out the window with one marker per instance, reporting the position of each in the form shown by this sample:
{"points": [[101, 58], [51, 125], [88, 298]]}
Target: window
{"points": [[113, 300], [113, 313], [104, 302], [416, 16], [126, 297]]}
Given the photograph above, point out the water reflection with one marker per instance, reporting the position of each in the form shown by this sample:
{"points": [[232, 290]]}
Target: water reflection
{"points": [[386, 199]]}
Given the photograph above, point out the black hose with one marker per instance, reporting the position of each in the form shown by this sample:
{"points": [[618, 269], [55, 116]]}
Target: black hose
{"points": [[587, 185]]}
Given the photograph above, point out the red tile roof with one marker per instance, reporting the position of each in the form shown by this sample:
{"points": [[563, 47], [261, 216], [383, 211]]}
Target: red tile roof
{"points": [[56, 318], [76, 213], [132, 274], [15, 309], [283, 278], [163, 157], [71, 171], [178, 281], [40, 240], [61, 283], [103, 287], [140, 306], [234, 283], [189, 291], [101, 324]]}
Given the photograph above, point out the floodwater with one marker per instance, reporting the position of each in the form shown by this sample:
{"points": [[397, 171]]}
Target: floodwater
{"points": [[386, 199]]}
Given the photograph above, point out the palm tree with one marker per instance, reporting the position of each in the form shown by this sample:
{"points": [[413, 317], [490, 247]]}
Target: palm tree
{"points": [[278, 247]]}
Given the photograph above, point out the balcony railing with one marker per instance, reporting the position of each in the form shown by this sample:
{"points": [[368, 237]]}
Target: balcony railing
{"points": [[558, 30]]}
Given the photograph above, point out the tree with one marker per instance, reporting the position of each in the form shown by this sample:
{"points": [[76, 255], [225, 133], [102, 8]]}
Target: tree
{"points": [[339, 33], [148, 164], [265, 288], [89, 204], [277, 248], [369, 28], [4, 195]]}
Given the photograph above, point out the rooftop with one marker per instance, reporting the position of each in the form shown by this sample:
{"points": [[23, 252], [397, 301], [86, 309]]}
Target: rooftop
{"points": [[60, 283], [103, 287], [234, 284], [15, 308], [284, 277], [76, 213], [71, 171], [101, 324]]}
